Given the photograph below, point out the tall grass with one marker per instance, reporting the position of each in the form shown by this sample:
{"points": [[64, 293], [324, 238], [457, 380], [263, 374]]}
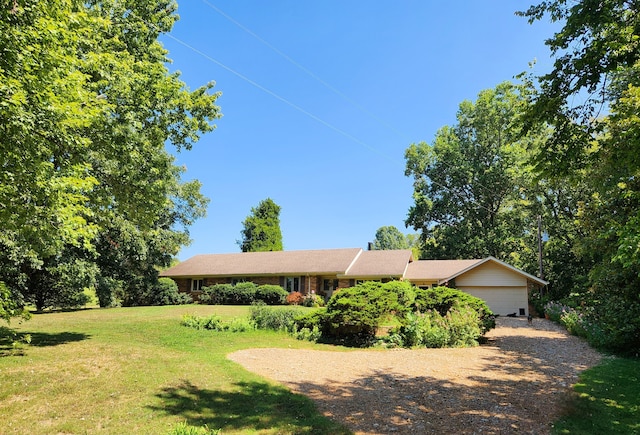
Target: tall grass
{"points": [[138, 371]]}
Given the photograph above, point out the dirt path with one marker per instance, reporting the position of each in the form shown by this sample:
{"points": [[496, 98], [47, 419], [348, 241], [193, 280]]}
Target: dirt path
{"points": [[518, 382]]}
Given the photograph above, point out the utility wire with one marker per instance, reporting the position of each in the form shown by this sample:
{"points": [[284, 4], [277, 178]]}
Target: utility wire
{"points": [[306, 70]]}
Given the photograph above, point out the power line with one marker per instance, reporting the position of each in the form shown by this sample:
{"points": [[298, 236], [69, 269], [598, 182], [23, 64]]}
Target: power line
{"points": [[304, 69]]}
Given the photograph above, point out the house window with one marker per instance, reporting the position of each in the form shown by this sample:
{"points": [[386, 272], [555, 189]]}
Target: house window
{"points": [[292, 283], [362, 281], [329, 285], [196, 285]]}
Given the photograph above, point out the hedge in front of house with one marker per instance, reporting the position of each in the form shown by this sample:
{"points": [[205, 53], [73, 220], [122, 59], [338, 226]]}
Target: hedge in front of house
{"points": [[243, 293], [443, 299]]}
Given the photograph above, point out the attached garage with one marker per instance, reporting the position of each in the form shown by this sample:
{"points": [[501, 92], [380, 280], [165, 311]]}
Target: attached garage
{"points": [[503, 287]]}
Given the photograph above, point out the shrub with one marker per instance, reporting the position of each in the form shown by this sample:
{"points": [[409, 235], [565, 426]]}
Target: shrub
{"points": [[271, 294], [213, 322], [354, 313], [311, 320], [294, 298], [166, 293], [442, 299], [308, 334], [243, 293], [185, 429], [554, 310], [313, 301], [275, 318]]}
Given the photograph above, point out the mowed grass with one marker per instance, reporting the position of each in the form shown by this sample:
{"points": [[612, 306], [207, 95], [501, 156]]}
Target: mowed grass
{"points": [[607, 400], [138, 371]]}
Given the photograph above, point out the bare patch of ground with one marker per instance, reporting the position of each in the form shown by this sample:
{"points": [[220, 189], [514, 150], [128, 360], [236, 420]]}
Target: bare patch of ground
{"points": [[516, 383]]}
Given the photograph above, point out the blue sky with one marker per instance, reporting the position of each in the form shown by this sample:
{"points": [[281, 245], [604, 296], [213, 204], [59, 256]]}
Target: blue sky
{"points": [[321, 98]]}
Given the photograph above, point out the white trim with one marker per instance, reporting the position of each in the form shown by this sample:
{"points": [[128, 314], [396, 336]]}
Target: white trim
{"points": [[502, 263], [346, 272]]}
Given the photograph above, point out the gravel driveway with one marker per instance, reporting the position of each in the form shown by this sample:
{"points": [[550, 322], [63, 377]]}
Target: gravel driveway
{"points": [[517, 383]]}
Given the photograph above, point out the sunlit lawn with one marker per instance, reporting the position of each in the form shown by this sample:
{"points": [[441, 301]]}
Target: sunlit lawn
{"points": [[607, 400], [138, 371]]}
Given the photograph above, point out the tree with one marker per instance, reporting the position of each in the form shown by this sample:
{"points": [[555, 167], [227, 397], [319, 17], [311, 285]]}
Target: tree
{"points": [[469, 186], [597, 62], [261, 229], [390, 237], [87, 107]]}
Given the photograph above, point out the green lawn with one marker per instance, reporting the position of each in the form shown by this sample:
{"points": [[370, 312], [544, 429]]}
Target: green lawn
{"points": [[137, 371], [607, 400]]}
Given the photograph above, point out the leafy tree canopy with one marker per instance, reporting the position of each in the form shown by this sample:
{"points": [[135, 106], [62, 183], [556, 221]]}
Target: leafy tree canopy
{"points": [[86, 108], [261, 229]]}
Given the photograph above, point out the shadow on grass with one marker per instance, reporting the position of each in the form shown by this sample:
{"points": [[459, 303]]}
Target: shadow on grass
{"points": [[251, 406], [12, 343]]}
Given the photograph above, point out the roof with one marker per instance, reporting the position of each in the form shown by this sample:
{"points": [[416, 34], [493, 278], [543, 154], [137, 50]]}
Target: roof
{"points": [[344, 263], [437, 270], [329, 261], [374, 264], [444, 270]]}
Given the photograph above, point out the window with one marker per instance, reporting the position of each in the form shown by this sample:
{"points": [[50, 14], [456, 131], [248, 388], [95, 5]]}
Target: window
{"points": [[196, 285], [292, 283], [329, 285], [362, 281]]}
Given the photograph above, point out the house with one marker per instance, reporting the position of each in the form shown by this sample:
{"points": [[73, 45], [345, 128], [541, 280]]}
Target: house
{"points": [[504, 287]]}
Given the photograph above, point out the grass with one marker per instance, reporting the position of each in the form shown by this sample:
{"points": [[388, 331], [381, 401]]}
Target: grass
{"points": [[606, 400], [136, 370]]}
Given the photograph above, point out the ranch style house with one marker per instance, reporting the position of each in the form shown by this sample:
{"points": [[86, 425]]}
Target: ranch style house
{"points": [[504, 288]]}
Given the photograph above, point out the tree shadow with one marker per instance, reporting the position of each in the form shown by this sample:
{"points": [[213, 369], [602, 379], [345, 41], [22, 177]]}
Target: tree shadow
{"points": [[250, 406], [12, 343]]}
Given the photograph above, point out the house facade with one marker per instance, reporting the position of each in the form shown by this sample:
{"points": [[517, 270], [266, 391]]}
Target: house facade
{"points": [[502, 286]]}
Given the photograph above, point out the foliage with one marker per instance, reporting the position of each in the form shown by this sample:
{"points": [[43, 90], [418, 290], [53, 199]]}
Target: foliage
{"points": [[9, 307], [313, 301], [355, 313], [610, 391], [271, 294], [261, 229], [275, 318], [215, 323], [185, 429], [87, 106], [295, 298], [444, 299], [390, 237], [311, 320], [468, 184], [596, 141], [166, 293], [459, 327], [243, 293]]}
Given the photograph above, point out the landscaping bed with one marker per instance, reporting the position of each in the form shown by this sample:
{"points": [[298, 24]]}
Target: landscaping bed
{"points": [[519, 381]]}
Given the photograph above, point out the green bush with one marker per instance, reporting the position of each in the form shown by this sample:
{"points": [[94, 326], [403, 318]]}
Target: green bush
{"points": [[213, 322], [271, 294], [459, 327], [166, 292], [355, 313], [274, 318], [312, 319], [243, 293], [313, 301], [442, 299], [185, 429]]}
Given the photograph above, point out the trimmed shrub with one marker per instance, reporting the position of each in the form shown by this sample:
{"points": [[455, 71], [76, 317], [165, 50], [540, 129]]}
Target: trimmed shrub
{"points": [[271, 294], [355, 313], [166, 293], [294, 298], [442, 299], [243, 293], [311, 320]]}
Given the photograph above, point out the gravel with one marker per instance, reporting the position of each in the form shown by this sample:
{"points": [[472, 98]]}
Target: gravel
{"points": [[518, 382]]}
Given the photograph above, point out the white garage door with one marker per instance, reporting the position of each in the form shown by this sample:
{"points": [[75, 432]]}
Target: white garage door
{"points": [[502, 300]]}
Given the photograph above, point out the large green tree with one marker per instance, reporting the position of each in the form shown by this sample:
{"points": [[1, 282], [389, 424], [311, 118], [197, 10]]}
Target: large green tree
{"points": [[87, 106], [470, 184], [597, 63], [261, 229]]}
